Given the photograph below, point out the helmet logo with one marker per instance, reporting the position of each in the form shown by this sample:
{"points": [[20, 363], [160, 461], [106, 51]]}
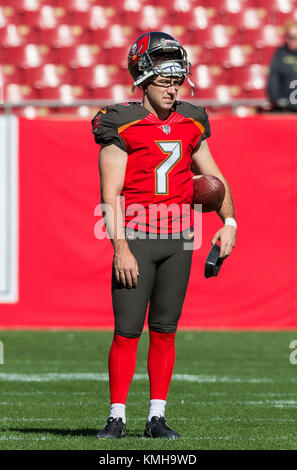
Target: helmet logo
{"points": [[136, 54], [137, 49], [133, 48]]}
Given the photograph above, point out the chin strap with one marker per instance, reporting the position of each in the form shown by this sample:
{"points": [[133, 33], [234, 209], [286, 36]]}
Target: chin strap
{"points": [[142, 78], [191, 85]]}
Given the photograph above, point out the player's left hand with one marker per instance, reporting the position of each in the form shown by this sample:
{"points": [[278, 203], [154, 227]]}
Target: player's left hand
{"points": [[227, 237]]}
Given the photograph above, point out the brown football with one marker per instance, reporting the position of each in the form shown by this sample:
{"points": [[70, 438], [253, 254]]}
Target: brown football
{"points": [[209, 191]]}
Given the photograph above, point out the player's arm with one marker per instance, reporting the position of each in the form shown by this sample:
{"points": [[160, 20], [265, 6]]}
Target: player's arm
{"points": [[204, 164], [112, 168]]}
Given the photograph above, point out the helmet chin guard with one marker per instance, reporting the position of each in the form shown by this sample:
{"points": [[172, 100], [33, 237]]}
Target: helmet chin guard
{"points": [[145, 59]]}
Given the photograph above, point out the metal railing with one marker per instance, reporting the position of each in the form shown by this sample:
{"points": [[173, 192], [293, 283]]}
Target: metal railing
{"points": [[9, 106]]}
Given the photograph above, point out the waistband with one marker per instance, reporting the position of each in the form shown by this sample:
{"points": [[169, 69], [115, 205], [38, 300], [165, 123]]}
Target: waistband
{"points": [[133, 234]]}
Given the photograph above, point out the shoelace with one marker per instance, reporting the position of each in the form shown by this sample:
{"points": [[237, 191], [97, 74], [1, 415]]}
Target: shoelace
{"points": [[163, 421]]}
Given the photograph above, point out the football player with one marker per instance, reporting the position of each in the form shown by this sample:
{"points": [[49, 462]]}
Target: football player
{"points": [[149, 151]]}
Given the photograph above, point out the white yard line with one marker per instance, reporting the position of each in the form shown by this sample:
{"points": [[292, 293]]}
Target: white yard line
{"points": [[199, 419], [21, 438], [197, 404], [213, 438], [54, 377]]}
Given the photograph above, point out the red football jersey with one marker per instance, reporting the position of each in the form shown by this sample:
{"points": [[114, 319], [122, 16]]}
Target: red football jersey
{"points": [[158, 186]]}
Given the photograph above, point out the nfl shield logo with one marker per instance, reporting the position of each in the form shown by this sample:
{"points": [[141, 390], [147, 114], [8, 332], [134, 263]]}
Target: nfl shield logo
{"points": [[166, 129]]}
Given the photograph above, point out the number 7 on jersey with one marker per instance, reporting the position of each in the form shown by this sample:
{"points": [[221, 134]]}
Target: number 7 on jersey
{"points": [[174, 153]]}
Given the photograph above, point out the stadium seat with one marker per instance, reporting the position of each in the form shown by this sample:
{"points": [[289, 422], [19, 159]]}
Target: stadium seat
{"points": [[75, 5], [148, 18], [16, 35], [30, 5], [115, 36], [83, 55], [247, 18], [82, 111], [205, 76], [269, 35], [184, 92], [125, 78], [280, 18], [127, 5], [233, 6], [25, 4], [196, 54], [97, 17], [280, 11], [252, 78], [117, 93], [180, 32], [9, 73], [64, 35], [215, 36], [234, 56], [48, 75], [65, 93], [47, 17], [8, 15], [118, 55], [14, 93], [99, 76], [177, 5], [31, 55], [198, 17], [32, 112], [221, 93], [256, 94], [266, 54], [109, 94]]}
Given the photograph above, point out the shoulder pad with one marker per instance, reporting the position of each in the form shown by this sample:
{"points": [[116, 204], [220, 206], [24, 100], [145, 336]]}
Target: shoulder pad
{"points": [[198, 113], [109, 119]]}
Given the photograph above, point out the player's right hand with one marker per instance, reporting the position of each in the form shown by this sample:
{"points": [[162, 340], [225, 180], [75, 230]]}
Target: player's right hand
{"points": [[126, 268]]}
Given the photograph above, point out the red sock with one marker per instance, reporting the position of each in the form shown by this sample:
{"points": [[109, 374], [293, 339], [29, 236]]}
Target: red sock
{"points": [[160, 363], [121, 366]]}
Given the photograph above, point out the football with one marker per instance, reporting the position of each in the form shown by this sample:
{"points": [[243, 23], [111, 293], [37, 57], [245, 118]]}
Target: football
{"points": [[209, 191]]}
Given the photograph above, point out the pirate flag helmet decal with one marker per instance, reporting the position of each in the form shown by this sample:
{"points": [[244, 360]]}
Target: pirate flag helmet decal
{"points": [[145, 59]]}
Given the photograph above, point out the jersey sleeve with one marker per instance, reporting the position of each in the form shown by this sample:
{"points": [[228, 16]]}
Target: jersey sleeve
{"points": [[105, 128], [205, 122], [199, 114]]}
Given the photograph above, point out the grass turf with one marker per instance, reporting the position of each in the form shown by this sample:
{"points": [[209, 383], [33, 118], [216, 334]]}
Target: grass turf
{"points": [[230, 390]]}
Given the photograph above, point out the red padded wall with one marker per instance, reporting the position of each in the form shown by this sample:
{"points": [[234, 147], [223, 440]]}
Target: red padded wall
{"points": [[64, 272]]}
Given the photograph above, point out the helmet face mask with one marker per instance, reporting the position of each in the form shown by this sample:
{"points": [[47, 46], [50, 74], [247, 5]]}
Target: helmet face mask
{"points": [[157, 53]]}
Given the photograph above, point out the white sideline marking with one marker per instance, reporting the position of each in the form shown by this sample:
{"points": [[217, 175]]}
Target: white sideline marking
{"points": [[97, 419], [21, 438], [203, 438], [247, 419], [241, 438], [198, 404], [53, 377]]}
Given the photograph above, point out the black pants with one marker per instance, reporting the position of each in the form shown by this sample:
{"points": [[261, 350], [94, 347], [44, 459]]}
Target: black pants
{"points": [[164, 269]]}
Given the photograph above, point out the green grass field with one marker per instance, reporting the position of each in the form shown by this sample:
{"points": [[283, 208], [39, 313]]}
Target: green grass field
{"points": [[230, 390]]}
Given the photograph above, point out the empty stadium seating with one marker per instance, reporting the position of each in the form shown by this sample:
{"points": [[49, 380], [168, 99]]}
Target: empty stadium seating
{"points": [[31, 55], [253, 80], [82, 55], [48, 75], [77, 49], [65, 93], [15, 92], [9, 74]]}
